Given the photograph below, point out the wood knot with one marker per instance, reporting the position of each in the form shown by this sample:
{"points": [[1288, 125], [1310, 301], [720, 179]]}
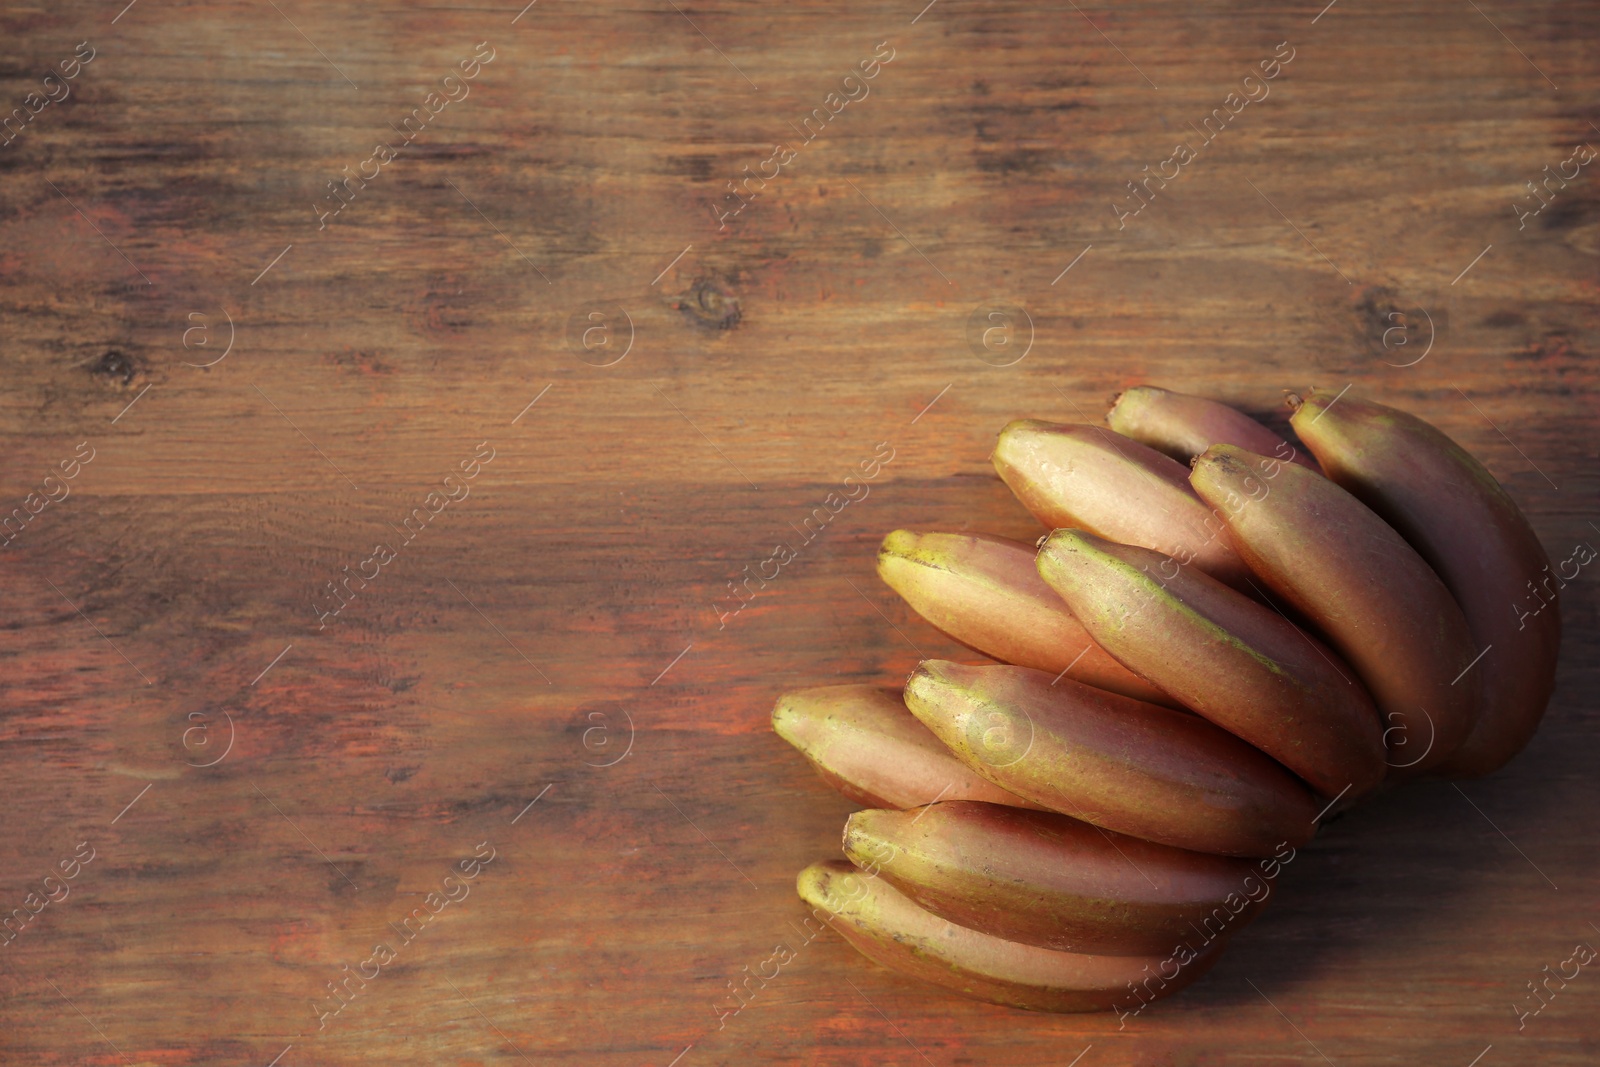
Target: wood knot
{"points": [[114, 369], [712, 304]]}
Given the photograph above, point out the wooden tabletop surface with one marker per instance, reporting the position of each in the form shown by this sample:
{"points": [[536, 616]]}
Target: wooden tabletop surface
{"points": [[596, 321]]}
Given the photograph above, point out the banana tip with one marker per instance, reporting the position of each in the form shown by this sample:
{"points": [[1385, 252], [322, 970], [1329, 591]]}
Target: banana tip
{"points": [[1062, 537], [925, 678], [780, 714], [786, 718], [1221, 457], [897, 543], [918, 675], [858, 831]]}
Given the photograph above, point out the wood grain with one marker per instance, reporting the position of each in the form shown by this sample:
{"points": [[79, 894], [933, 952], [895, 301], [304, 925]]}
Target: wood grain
{"points": [[503, 652]]}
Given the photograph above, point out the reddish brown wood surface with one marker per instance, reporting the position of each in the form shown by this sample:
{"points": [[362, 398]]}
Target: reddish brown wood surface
{"points": [[502, 654]]}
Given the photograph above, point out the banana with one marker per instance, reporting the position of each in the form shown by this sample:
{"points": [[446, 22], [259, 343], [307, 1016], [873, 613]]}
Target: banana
{"points": [[1356, 580], [1045, 879], [1236, 662], [985, 592], [888, 928], [864, 743], [1091, 478], [1463, 523], [1119, 763], [1183, 426]]}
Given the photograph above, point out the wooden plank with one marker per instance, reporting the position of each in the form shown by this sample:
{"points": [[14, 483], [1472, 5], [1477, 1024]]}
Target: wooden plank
{"points": [[573, 604]]}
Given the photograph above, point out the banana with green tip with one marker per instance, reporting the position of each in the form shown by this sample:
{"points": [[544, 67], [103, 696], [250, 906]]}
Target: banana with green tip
{"points": [[1119, 763], [1183, 426], [1093, 479], [864, 743], [888, 928], [986, 593], [1234, 661], [1358, 581], [1045, 879], [1454, 513]]}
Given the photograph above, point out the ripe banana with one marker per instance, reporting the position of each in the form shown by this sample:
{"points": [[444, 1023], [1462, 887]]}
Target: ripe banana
{"points": [[1356, 579], [1236, 662], [1093, 479], [864, 743], [986, 593], [1463, 523], [1151, 772], [887, 927], [1045, 879], [1183, 426]]}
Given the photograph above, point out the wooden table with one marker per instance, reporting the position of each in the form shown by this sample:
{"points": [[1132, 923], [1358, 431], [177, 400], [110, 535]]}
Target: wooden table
{"points": [[550, 266]]}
